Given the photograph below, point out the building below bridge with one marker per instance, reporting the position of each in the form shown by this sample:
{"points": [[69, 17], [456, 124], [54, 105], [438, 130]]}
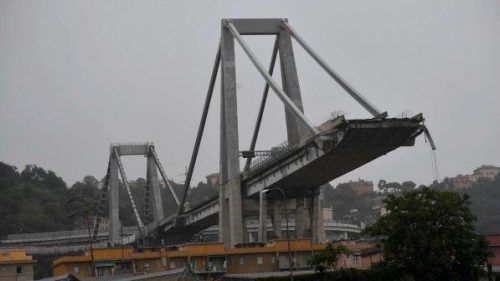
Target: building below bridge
{"points": [[209, 259], [15, 265], [494, 243]]}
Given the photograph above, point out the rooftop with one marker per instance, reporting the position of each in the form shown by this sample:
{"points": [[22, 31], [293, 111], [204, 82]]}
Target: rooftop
{"points": [[14, 255]]}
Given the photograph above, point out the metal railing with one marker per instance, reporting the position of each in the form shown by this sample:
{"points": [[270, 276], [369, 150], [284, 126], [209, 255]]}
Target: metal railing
{"points": [[276, 152]]}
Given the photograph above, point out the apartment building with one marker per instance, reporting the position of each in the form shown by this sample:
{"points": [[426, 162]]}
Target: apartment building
{"points": [[15, 265], [210, 259]]}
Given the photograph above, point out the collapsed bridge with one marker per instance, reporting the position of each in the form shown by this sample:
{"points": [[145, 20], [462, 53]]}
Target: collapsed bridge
{"points": [[311, 157]]}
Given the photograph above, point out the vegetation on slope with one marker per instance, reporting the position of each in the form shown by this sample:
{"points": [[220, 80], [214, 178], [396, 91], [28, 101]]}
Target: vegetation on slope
{"points": [[35, 200]]}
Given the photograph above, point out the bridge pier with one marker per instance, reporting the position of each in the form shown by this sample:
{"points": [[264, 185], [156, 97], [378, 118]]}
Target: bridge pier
{"points": [[299, 218], [223, 215], [229, 160], [110, 190], [316, 213], [277, 217], [152, 181], [114, 208], [262, 232]]}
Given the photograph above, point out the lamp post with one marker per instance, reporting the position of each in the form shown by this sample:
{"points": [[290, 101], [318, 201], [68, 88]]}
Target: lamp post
{"points": [[290, 263]]}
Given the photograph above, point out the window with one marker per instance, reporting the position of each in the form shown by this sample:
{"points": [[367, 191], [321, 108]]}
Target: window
{"points": [[164, 261], [76, 270], [19, 269], [356, 258], [172, 265], [242, 260], [260, 260], [147, 266]]}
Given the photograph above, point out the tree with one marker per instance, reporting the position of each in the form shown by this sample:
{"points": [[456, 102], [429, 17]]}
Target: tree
{"points": [[430, 234], [8, 174], [328, 257], [393, 187], [47, 179], [407, 186], [389, 187], [90, 180], [381, 185]]}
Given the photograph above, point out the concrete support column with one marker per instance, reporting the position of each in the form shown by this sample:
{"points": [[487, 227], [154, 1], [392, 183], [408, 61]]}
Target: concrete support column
{"points": [[235, 212], [229, 126], [262, 217], [114, 209], [317, 227], [296, 131], [277, 217], [223, 218], [300, 218], [223, 204], [152, 179]]}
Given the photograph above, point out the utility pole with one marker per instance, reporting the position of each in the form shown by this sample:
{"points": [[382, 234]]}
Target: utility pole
{"points": [[123, 250], [87, 210], [91, 247]]}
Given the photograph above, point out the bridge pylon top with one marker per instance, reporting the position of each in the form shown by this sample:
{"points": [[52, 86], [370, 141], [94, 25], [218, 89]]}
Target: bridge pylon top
{"points": [[256, 26]]}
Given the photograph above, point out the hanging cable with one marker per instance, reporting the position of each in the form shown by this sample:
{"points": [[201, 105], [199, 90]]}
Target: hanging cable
{"points": [[434, 161], [435, 169]]}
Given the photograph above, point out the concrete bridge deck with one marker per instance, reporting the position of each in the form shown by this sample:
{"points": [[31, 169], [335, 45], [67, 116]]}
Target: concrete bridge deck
{"points": [[335, 152], [339, 149]]}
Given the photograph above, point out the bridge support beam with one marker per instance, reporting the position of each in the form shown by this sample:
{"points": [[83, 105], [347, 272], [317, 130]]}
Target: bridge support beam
{"points": [[114, 209]]}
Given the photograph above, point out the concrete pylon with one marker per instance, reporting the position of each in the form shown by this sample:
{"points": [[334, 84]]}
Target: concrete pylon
{"points": [[230, 165], [152, 180], [231, 221], [114, 208], [224, 204], [296, 131]]}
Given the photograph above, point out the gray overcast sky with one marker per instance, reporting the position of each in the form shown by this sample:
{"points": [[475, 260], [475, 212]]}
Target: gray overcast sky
{"points": [[78, 75]]}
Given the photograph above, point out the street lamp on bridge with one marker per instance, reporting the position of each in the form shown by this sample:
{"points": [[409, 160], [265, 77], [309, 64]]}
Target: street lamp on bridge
{"points": [[290, 261]]}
